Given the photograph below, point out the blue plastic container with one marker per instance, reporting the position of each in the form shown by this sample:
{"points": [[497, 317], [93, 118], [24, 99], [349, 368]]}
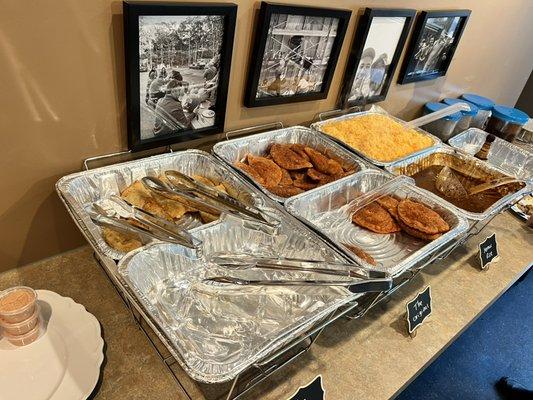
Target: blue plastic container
{"points": [[506, 122], [484, 106], [443, 128], [467, 116]]}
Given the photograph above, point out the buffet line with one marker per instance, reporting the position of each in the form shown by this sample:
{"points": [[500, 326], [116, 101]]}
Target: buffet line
{"points": [[237, 257]]}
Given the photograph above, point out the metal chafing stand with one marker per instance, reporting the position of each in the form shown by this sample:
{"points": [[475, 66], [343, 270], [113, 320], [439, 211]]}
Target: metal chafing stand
{"points": [[271, 363], [246, 380]]}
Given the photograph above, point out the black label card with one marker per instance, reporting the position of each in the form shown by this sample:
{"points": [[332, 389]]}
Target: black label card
{"points": [[488, 251], [418, 309], [313, 391]]}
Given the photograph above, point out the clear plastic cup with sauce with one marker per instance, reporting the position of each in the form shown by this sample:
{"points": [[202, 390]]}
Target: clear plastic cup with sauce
{"points": [[25, 339], [17, 304], [23, 327]]}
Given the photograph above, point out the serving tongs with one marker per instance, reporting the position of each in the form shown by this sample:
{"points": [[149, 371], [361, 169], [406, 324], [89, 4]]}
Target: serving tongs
{"points": [[189, 192], [115, 212], [361, 279]]}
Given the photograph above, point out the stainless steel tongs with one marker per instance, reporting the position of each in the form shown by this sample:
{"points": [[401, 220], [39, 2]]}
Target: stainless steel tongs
{"points": [[187, 191], [115, 212], [361, 279]]}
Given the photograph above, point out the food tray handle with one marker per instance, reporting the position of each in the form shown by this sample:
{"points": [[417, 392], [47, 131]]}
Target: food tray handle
{"points": [[253, 129], [338, 112]]}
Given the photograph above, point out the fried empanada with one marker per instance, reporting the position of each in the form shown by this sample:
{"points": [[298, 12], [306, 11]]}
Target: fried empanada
{"points": [[120, 241], [286, 179], [252, 172], [305, 183], [285, 191], [316, 175], [269, 170], [416, 233], [324, 164], [300, 150], [422, 218], [137, 195], [376, 219], [286, 158], [390, 204]]}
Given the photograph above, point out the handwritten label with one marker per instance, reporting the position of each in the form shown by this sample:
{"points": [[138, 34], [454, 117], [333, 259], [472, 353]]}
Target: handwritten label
{"points": [[488, 251], [418, 309], [313, 391]]}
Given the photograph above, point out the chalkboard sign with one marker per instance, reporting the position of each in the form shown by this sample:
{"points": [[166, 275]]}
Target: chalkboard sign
{"points": [[418, 309], [313, 391], [488, 251]]}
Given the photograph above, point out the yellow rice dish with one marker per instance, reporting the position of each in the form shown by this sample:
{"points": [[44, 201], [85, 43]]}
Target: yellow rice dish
{"points": [[378, 137]]}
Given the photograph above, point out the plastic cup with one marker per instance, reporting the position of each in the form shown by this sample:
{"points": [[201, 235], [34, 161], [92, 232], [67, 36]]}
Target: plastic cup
{"points": [[27, 338], [21, 328], [17, 304]]}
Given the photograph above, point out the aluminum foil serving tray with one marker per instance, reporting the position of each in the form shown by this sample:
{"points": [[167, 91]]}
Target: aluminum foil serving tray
{"points": [[215, 331], [512, 159], [447, 156], [218, 331], [327, 211], [81, 189], [235, 150], [318, 126]]}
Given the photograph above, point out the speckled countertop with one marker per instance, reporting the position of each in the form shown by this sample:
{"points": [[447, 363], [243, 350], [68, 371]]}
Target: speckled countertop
{"points": [[370, 358]]}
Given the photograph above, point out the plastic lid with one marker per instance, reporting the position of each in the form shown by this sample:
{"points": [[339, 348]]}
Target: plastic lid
{"points": [[432, 107], [483, 103], [473, 108], [510, 114]]}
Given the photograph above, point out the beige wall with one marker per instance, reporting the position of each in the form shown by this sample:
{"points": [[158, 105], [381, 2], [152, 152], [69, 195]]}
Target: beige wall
{"points": [[62, 95]]}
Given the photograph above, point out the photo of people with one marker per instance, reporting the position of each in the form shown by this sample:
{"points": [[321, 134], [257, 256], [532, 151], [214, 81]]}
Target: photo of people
{"points": [[434, 42], [296, 55], [179, 61], [378, 51], [437, 39]]}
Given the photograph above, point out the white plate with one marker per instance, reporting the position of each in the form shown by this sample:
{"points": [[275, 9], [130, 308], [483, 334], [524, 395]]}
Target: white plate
{"points": [[63, 364]]}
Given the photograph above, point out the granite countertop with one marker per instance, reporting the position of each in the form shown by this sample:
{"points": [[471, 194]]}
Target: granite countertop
{"points": [[370, 358]]}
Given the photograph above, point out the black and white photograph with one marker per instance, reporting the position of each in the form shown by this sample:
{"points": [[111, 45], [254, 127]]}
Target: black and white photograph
{"points": [[376, 49], [178, 73], [295, 53], [434, 42]]}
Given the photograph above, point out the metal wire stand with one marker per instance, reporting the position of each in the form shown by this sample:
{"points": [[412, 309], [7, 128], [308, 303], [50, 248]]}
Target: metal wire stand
{"points": [[261, 370]]}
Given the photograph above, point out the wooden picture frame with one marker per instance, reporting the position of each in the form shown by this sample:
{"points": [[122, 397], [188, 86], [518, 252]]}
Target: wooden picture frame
{"points": [[431, 49], [379, 40], [297, 41], [194, 41]]}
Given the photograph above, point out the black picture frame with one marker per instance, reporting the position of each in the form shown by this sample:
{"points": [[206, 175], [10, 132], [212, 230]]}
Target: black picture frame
{"points": [[132, 11], [408, 71], [358, 46], [266, 11]]}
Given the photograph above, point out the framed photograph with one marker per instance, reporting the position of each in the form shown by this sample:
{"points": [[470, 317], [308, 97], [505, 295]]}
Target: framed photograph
{"points": [[294, 54], [376, 49], [177, 70], [434, 40]]}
